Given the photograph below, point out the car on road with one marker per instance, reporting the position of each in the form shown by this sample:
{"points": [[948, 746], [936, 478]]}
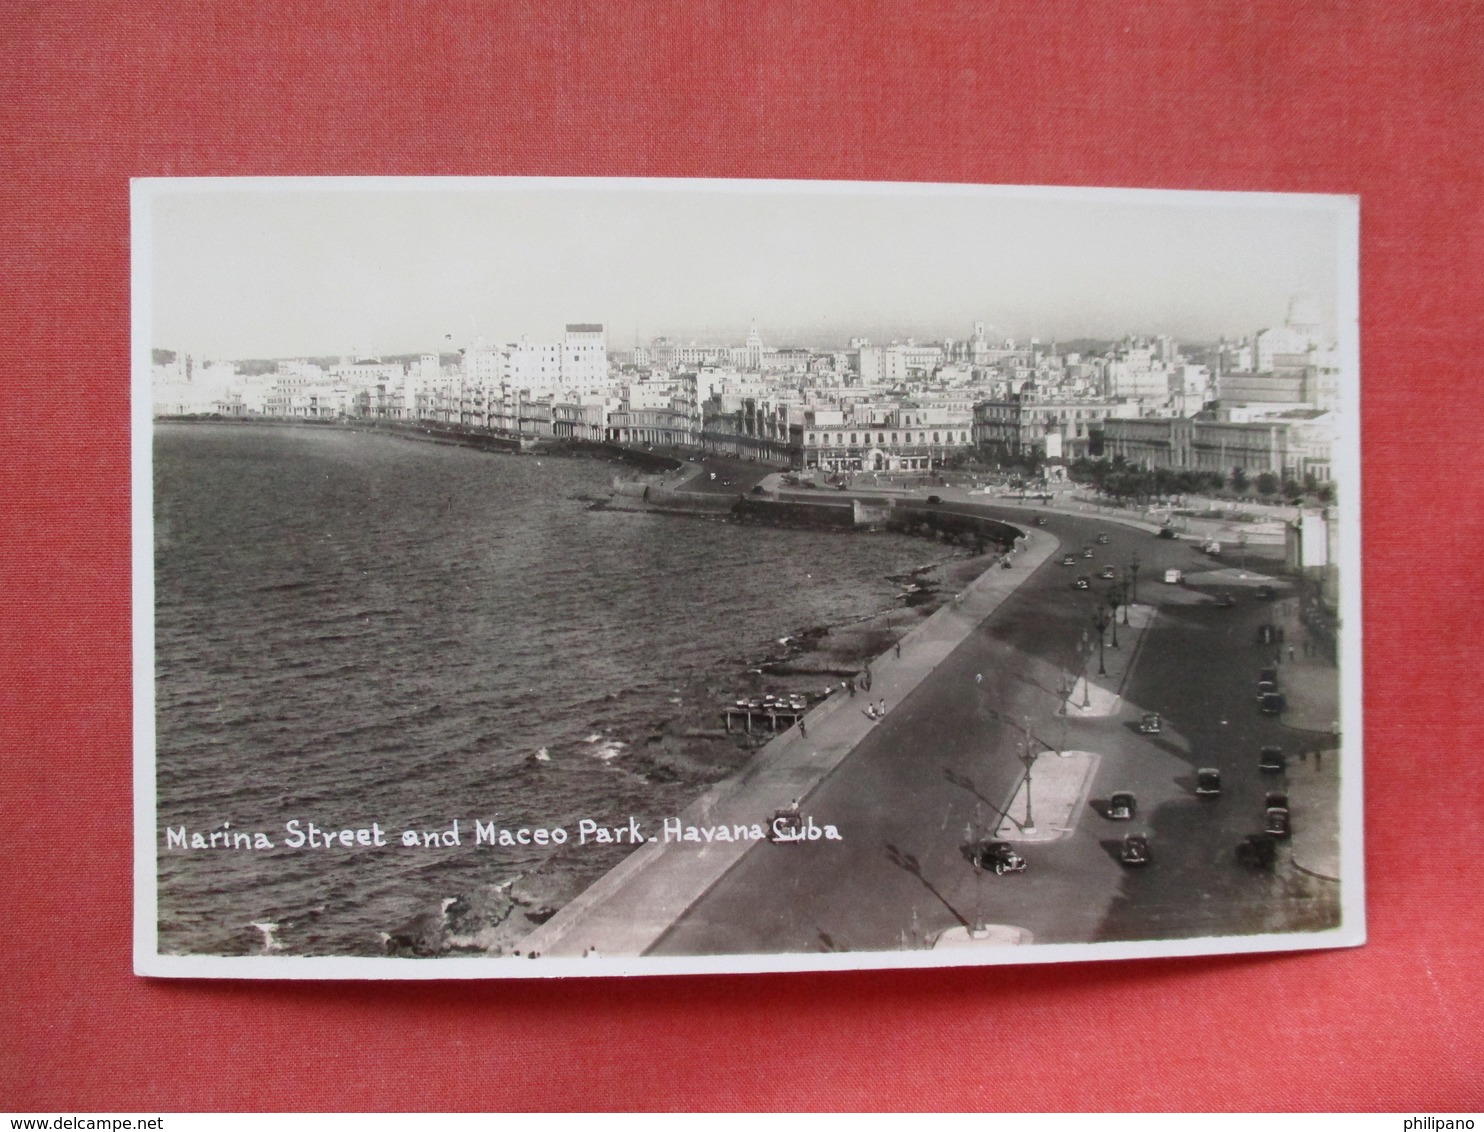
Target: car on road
{"points": [[1277, 823], [1270, 760], [1068, 560], [1166, 532], [1267, 676], [1264, 687], [1225, 601], [1149, 724], [934, 500], [1083, 582], [1275, 798], [1207, 782], [1107, 573], [1134, 850], [1271, 703], [999, 856], [1102, 540], [787, 824], [1174, 577], [1040, 520], [1122, 806], [1258, 851], [1087, 552], [1266, 593], [1212, 547]]}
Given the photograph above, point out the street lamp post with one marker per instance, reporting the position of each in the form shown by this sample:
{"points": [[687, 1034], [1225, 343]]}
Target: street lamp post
{"points": [[1029, 759], [1100, 620]]}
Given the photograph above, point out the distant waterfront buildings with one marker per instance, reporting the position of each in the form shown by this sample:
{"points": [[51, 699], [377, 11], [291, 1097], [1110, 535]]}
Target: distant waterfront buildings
{"points": [[1261, 403]]}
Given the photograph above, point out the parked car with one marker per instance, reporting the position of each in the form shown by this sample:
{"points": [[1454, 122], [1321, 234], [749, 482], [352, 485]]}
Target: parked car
{"points": [[1166, 532], [1264, 687], [1149, 725], [1258, 851], [1103, 540], [1068, 560], [934, 500], [1212, 547], [1271, 703], [1040, 520], [1275, 798], [1267, 675], [1087, 552], [1277, 823], [1225, 601], [1107, 573], [1082, 582], [1207, 782], [1135, 850], [1122, 806], [999, 856], [1270, 760], [1174, 577], [1265, 593]]}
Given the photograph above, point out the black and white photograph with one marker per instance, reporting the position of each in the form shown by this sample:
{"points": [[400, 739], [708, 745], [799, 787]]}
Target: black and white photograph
{"points": [[555, 577]]}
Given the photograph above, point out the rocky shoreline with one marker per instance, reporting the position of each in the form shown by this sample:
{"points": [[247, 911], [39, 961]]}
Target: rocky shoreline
{"points": [[493, 919]]}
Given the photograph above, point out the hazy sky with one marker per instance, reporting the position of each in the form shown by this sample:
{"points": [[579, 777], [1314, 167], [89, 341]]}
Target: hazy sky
{"points": [[283, 268]]}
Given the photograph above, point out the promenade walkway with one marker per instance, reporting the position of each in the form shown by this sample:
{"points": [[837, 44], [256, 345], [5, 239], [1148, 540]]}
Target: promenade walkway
{"points": [[626, 911]]}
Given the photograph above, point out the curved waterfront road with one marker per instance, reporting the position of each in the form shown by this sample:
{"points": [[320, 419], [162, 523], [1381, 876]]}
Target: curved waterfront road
{"points": [[908, 794]]}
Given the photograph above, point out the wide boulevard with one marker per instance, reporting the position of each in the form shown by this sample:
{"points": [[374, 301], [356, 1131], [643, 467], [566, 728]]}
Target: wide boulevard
{"points": [[943, 768]]}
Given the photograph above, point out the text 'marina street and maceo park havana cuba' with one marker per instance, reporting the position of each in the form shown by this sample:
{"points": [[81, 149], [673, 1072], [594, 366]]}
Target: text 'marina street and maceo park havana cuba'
{"points": [[589, 577]]}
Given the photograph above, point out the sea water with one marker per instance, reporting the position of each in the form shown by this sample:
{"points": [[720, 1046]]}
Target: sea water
{"points": [[361, 631]]}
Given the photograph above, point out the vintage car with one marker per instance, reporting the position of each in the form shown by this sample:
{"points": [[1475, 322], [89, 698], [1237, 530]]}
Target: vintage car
{"points": [[1103, 540], [1207, 782], [1275, 798], [787, 824], [1166, 532], [1258, 851], [1134, 850], [1271, 703], [1083, 582], [1087, 552], [1107, 573], [1068, 560], [1270, 760], [1122, 806], [1267, 676], [999, 856], [1277, 822], [1149, 725], [1266, 593], [1040, 520], [1225, 601]]}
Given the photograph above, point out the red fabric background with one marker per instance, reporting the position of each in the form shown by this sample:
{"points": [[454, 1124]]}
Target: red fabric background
{"points": [[1375, 98]]}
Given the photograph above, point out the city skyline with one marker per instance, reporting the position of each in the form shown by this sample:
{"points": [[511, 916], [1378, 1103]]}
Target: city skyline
{"points": [[287, 268]]}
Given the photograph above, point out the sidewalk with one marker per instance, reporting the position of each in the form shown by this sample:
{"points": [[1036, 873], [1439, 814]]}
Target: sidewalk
{"points": [[626, 911], [1314, 803]]}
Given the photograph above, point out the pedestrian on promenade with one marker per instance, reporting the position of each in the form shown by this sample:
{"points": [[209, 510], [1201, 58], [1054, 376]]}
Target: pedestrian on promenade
{"points": [[850, 684], [899, 650], [803, 731], [882, 709]]}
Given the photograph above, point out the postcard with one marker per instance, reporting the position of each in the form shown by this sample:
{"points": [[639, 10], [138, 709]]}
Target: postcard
{"points": [[554, 577]]}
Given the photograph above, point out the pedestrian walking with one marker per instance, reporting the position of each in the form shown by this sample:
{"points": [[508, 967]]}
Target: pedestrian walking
{"points": [[882, 709], [899, 650], [803, 731], [850, 684]]}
